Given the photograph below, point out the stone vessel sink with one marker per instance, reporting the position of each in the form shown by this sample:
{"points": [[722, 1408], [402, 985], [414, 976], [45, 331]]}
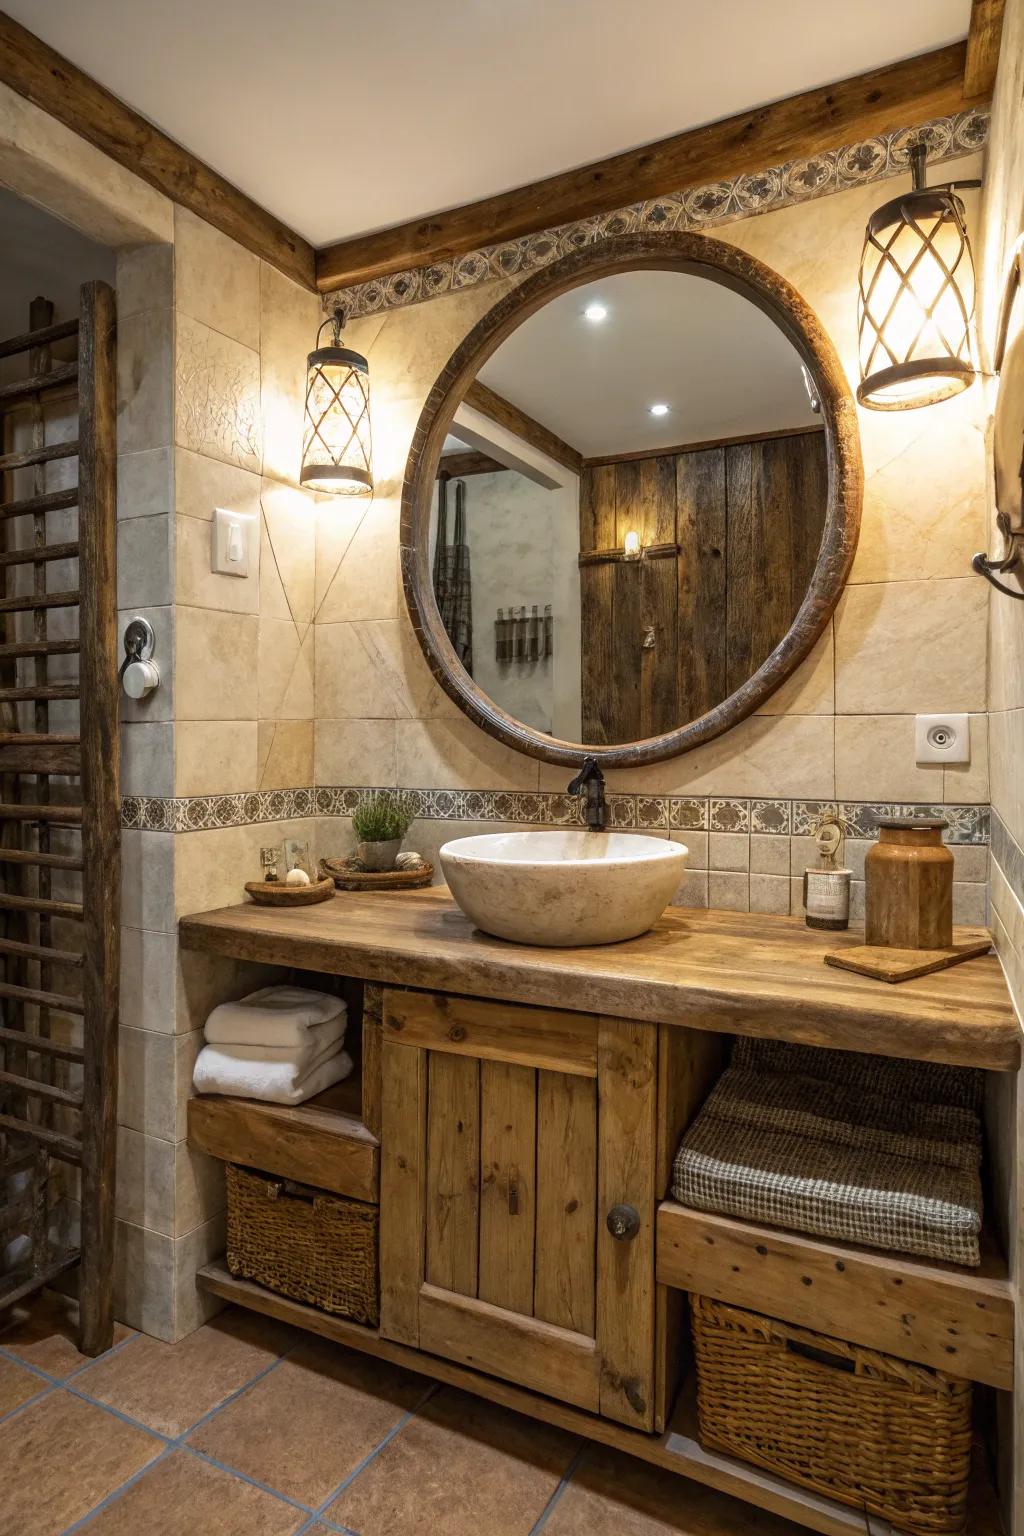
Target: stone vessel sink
{"points": [[561, 889]]}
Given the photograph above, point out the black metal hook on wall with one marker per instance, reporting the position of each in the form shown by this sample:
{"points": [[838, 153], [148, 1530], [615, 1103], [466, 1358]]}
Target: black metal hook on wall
{"points": [[1013, 552]]}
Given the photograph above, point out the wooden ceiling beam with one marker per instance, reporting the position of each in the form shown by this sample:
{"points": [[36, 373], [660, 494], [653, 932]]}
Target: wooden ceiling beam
{"points": [[983, 39], [898, 96], [496, 408], [459, 465], [48, 80]]}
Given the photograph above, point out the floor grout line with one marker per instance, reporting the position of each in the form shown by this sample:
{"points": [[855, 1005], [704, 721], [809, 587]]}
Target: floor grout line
{"points": [[115, 1493], [371, 1456], [243, 1477], [29, 1402], [115, 1349], [563, 1484]]}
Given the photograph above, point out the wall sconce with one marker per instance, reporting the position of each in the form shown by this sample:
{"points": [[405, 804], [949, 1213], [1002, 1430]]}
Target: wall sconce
{"points": [[1008, 441], [916, 297], [336, 448], [631, 546]]}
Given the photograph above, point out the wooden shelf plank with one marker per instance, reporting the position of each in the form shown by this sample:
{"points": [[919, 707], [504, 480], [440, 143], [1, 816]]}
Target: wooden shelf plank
{"points": [[677, 1450], [733, 972], [322, 1142], [953, 1319]]}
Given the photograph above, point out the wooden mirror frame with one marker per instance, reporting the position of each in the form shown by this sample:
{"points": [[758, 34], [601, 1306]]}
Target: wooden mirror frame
{"points": [[672, 252]]}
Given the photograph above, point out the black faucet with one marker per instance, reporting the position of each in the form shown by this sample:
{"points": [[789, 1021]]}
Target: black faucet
{"points": [[591, 779]]}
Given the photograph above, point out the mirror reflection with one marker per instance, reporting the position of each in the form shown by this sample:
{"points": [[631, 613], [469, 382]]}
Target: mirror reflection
{"points": [[628, 507]]}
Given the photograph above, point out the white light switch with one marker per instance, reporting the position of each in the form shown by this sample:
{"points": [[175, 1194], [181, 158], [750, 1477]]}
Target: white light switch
{"points": [[943, 738], [230, 542]]}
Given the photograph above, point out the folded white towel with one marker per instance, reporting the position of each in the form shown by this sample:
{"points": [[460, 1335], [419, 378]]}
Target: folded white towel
{"points": [[279, 1016], [318, 1041], [219, 1070]]}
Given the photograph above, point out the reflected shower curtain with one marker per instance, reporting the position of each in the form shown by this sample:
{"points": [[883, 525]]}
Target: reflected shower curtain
{"points": [[452, 582]]}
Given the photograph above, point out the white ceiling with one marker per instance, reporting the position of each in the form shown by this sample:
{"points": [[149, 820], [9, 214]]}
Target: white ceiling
{"points": [[345, 116], [723, 368]]}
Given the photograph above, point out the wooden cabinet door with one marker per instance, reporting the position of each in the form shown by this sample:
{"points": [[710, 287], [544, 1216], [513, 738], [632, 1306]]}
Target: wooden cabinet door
{"points": [[508, 1135]]}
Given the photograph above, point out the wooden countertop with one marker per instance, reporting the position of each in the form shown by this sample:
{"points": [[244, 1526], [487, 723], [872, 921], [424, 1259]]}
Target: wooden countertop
{"points": [[738, 972]]}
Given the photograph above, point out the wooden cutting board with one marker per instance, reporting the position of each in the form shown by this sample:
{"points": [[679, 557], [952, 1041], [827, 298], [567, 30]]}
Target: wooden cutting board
{"points": [[903, 964]]}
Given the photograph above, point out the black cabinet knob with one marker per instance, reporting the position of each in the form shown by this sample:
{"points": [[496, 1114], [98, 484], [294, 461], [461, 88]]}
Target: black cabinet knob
{"points": [[623, 1222]]}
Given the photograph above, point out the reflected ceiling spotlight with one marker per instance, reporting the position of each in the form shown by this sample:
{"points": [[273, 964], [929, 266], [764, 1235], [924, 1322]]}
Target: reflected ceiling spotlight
{"points": [[658, 409], [595, 313], [336, 447], [916, 299]]}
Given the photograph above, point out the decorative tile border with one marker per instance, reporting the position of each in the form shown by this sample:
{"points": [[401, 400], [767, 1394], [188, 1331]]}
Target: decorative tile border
{"points": [[968, 824], [697, 208]]}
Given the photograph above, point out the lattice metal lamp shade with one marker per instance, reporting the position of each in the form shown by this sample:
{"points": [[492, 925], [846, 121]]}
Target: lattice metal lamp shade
{"points": [[336, 446], [916, 301]]}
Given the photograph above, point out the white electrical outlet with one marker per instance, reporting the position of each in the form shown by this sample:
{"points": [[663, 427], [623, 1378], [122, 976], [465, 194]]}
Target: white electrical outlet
{"points": [[943, 738], [230, 554]]}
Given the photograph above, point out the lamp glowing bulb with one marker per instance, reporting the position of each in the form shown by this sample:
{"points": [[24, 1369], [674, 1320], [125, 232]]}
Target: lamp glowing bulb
{"points": [[659, 409], [631, 546], [595, 313]]}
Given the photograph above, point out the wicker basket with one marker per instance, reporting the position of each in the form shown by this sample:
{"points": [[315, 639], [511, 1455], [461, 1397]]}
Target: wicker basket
{"points": [[890, 1438], [304, 1243]]}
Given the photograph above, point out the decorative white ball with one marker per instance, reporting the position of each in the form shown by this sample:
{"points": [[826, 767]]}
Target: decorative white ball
{"points": [[296, 877]]}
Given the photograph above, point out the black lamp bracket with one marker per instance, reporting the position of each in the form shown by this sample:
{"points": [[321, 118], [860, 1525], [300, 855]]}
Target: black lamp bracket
{"points": [[1013, 552]]}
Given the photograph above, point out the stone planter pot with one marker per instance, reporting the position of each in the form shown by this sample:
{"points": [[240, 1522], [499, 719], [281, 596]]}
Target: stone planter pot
{"points": [[380, 857]]}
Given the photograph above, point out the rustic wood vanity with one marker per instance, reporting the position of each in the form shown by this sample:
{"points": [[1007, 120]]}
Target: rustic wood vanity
{"points": [[515, 1116]]}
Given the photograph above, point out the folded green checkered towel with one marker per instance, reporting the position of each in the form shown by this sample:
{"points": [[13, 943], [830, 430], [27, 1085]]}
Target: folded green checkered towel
{"points": [[815, 1154]]}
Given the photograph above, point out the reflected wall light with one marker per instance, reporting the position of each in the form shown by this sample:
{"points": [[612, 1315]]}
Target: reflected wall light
{"points": [[916, 300], [336, 448]]}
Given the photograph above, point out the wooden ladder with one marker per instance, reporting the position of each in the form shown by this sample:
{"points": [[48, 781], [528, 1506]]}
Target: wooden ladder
{"points": [[59, 810]]}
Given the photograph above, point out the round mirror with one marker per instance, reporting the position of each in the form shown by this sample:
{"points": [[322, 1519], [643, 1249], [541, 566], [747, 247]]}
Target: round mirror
{"points": [[632, 501]]}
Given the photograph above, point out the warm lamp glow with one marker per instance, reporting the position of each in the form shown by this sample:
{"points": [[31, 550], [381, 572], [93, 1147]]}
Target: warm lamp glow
{"points": [[336, 447], [916, 299], [631, 546]]}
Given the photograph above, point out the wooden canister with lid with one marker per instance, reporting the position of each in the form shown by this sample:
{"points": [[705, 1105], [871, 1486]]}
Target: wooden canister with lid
{"points": [[909, 890]]}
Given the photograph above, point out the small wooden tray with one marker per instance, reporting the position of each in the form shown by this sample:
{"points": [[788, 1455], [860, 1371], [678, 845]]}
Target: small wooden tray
{"points": [[348, 879], [903, 964], [275, 893]]}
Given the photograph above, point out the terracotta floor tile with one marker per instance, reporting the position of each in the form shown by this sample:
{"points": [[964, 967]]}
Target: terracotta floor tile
{"points": [[614, 1495], [463, 1467], [17, 1386], [168, 1500], [170, 1386], [44, 1331], [309, 1423], [59, 1458]]}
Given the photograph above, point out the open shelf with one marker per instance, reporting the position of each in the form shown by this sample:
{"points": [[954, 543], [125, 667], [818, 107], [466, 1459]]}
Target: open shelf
{"points": [[678, 1450], [953, 1319], [321, 1142]]}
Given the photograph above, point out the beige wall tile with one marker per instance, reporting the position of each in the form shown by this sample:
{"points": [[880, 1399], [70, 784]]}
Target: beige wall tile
{"points": [[289, 317], [144, 562], [454, 754], [371, 670], [968, 782], [970, 903], [144, 1280], [811, 689], [970, 863], [145, 483], [155, 1073], [197, 585], [911, 647], [145, 381], [145, 279], [216, 396], [355, 752], [147, 758], [214, 757], [366, 582], [729, 892], [729, 851], [147, 880], [290, 517], [201, 484], [769, 855], [148, 980], [769, 893], [762, 756], [285, 754], [217, 280], [193, 1307], [199, 1191], [1006, 755], [145, 1180], [338, 520], [876, 760], [215, 677], [693, 889], [285, 670], [696, 845]]}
